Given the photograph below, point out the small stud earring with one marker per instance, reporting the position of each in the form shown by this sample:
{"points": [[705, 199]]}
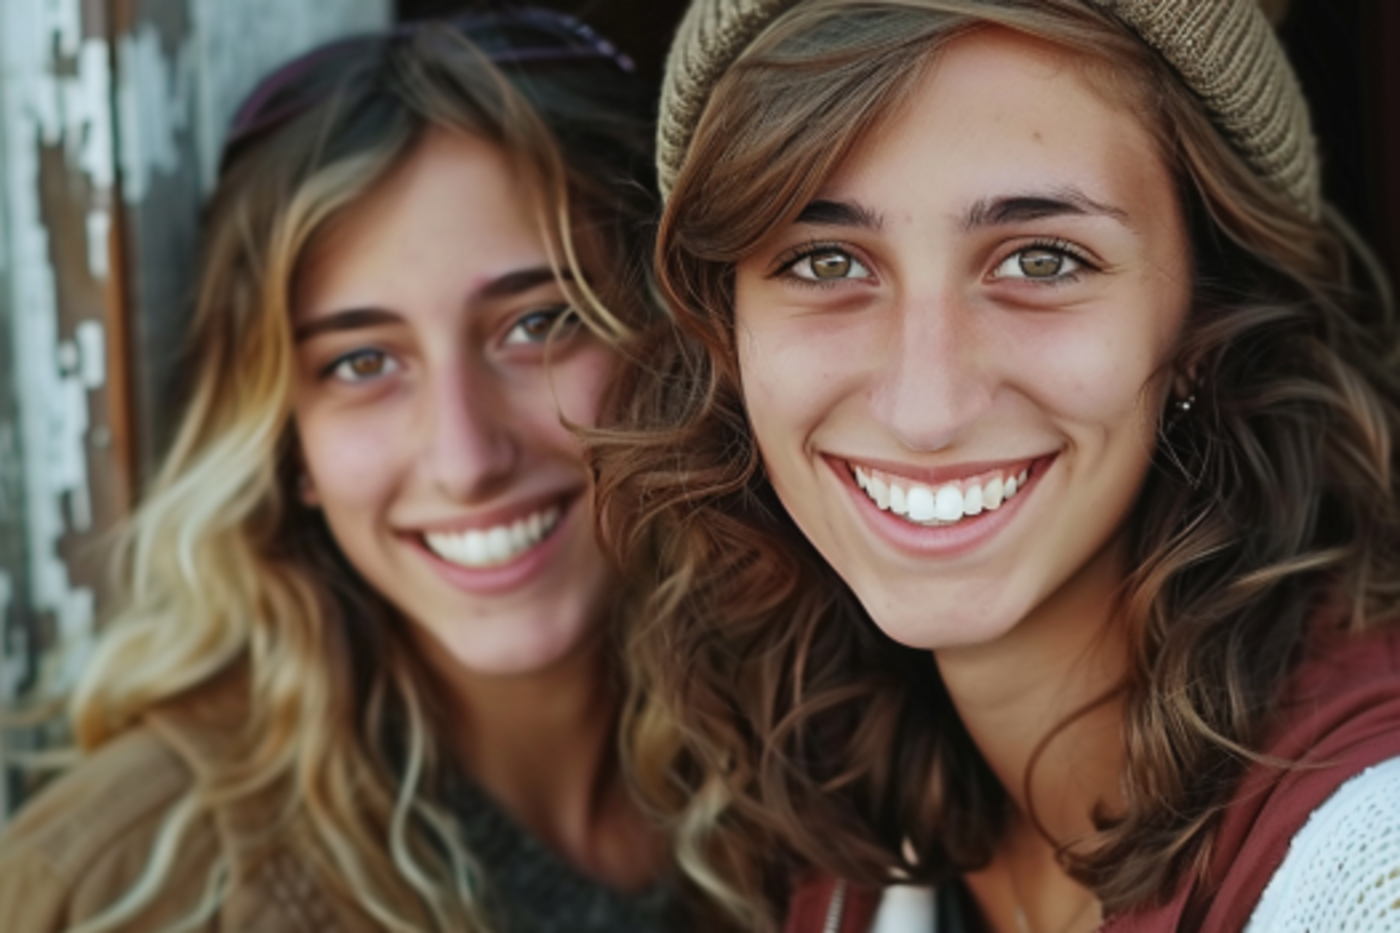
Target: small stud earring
{"points": [[1184, 405]]}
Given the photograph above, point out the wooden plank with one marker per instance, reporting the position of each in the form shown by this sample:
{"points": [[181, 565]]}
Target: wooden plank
{"points": [[57, 172]]}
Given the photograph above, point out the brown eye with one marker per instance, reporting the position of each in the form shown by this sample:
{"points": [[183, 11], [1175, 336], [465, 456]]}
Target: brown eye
{"points": [[1044, 265], [537, 326], [367, 365], [827, 265], [1041, 263], [363, 366], [831, 265]]}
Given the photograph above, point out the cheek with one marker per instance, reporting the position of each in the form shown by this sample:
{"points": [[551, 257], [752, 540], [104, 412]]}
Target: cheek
{"points": [[350, 457], [795, 370], [576, 387], [1102, 368]]}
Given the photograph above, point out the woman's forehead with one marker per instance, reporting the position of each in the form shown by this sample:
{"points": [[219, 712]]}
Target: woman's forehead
{"points": [[1000, 114]]}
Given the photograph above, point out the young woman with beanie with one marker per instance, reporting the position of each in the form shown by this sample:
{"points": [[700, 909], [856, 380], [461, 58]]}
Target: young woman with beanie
{"points": [[367, 677], [1022, 455]]}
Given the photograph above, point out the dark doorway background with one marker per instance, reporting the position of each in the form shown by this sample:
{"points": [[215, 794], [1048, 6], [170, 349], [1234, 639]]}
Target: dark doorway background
{"points": [[1339, 48]]}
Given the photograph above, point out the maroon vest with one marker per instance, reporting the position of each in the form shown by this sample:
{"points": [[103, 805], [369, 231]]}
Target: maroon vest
{"points": [[1338, 715]]}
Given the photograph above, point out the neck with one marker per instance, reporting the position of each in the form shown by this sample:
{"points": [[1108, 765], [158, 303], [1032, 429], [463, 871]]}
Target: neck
{"points": [[1042, 705], [543, 745]]}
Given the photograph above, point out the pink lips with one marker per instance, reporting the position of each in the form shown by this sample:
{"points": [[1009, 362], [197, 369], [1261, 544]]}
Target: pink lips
{"points": [[500, 578], [943, 541]]}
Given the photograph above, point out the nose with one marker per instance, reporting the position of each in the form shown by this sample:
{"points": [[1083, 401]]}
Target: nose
{"points": [[933, 383], [469, 446]]}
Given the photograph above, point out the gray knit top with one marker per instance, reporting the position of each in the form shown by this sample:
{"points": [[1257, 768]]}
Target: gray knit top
{"points": [[533, 890]]}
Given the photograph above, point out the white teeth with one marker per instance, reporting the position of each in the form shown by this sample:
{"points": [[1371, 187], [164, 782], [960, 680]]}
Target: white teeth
{"points": [[922, 505], [972, 501], [943, 505], [519, 535], [899, 500], [948, 504], [473, 551], [992, 494], [880, 492], [499, 544]]}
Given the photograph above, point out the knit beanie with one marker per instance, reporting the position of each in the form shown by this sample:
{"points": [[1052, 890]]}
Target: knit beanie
{"points": [[1225, 51]]}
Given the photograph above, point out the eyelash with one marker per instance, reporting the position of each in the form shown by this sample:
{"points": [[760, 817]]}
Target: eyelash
{"points": [[783, 265], [331, 369], [562, 320], [1063, 248]]}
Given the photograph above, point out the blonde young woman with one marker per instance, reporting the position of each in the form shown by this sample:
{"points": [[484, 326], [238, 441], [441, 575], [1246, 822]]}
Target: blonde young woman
{"points": [[1022, 455], [365, 680]]}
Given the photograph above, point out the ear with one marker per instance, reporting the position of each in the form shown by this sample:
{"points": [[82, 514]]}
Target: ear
{"points": [[1184, 383], [306, 490]]}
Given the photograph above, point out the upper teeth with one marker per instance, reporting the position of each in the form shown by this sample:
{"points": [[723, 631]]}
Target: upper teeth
{"points": [[499, 544], [940, 505]]}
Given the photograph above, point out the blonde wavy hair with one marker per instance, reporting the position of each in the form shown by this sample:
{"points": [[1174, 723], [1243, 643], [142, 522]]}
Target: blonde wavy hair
{"points": [[773, 722], [227, 572]]}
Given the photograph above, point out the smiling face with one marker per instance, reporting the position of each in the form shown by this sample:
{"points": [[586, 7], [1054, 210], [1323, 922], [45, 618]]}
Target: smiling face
{"points": [[428, 407], [955, 359]]}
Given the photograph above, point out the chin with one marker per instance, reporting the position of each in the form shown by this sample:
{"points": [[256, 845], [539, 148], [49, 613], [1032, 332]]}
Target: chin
{"points": [[929, 622], [517, 653]]}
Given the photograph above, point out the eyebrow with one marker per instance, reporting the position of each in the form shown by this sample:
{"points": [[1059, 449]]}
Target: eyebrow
{"points": [[1061, 202], [515, 283], [824, 213], [505, 286], [352, 319]]}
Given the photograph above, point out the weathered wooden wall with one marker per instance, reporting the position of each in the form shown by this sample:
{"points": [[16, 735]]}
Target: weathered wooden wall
{"points": [[182, 67], [111, 117], [64, 442]]}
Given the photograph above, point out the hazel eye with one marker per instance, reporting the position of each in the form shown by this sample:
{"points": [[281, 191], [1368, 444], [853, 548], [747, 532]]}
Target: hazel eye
{"points": [[363, 366], [828, 265], [1038, 263], [537, 326]]}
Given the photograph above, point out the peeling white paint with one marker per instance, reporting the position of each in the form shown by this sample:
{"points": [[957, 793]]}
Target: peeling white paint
{"points": [[161, 95], [92, 354], [153, 107], [87, 112], [72, 111], [99, 231]]}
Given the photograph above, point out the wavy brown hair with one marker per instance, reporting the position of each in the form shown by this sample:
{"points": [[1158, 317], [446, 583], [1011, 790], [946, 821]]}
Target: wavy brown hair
{"points": [[773, 718], [230, 578]]}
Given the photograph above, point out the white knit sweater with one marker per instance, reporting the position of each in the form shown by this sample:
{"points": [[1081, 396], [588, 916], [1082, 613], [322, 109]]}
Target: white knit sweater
{"points": [[1341, 874], [1342, 871]]}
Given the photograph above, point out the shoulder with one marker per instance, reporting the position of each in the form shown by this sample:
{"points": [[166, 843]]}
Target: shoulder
{"points": [[85, 839], [1342, 870]]}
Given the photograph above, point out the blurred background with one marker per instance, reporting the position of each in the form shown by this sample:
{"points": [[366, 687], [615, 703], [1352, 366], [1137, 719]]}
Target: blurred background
{"points": [[112, 113]]}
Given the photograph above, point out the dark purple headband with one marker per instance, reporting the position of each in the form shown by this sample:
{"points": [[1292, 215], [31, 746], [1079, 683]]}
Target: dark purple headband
{"points": [[555, 37]]}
